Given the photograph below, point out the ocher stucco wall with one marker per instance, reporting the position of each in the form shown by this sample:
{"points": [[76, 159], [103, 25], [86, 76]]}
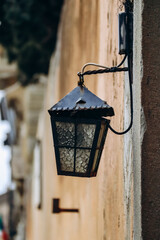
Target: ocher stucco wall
{"points": [[87, 33]]}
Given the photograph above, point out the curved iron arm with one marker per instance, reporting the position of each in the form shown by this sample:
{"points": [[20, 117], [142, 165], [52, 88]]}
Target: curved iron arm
{"points": [[131, 102], [107, 70], [117, 68]]}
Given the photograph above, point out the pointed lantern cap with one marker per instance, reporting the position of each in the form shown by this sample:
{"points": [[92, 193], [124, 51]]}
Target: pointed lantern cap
{"points": [[81, 102]]}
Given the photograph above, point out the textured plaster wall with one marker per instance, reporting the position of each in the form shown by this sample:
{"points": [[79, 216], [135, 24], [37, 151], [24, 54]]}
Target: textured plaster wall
{"points": [[138, 126], [151, 103], [87, 33], [128, 163]]}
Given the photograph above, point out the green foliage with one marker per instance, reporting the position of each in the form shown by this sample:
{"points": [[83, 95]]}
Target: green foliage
{"points": [[28, 32]]}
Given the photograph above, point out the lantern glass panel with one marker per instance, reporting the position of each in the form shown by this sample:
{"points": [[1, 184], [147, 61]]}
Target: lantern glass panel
{"points": [[101, 133], [65, 133], [67, 159], [78, 145], [95, 160], [99, 145], [82, 160], [85, 135]]}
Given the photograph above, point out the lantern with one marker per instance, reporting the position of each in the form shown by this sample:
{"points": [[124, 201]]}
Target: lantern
{"points": [[79, 132]]}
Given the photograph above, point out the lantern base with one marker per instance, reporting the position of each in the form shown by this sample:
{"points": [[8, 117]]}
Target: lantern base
{"points": [[71, 174]]}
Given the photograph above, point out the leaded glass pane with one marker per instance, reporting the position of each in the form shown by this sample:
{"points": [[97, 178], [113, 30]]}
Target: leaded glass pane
{"points": [[82, 160], [65, 134], [99, 145], [67, 159], [95, 160], [85, 135], [101, 133]]}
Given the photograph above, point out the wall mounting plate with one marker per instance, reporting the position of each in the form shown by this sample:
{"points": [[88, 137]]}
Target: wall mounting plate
{"points": [[125, 33]]}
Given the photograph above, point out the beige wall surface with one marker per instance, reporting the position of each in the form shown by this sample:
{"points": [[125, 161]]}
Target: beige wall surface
{"points": [[87, 33]]}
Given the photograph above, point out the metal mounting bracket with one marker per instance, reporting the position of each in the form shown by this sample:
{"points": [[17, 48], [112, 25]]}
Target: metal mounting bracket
{"points": [[125, 21], [57, 209]]}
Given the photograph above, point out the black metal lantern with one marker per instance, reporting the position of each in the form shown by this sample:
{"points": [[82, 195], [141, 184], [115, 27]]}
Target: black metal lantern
{"points": [[79, 132]]}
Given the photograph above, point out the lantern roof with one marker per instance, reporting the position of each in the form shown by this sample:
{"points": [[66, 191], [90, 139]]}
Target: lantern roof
{"points": [[81, 99]]}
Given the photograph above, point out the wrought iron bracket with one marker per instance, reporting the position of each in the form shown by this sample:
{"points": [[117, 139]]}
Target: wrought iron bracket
{"points": [[57, 209], [126, 48]]}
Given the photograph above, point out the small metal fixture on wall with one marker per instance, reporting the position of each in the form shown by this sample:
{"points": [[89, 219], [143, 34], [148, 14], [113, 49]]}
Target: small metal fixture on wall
{"points": [[78, 123], [57, 209]]}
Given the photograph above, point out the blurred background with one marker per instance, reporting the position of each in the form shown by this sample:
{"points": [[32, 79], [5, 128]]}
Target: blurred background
{"points": [[28, 32]]}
